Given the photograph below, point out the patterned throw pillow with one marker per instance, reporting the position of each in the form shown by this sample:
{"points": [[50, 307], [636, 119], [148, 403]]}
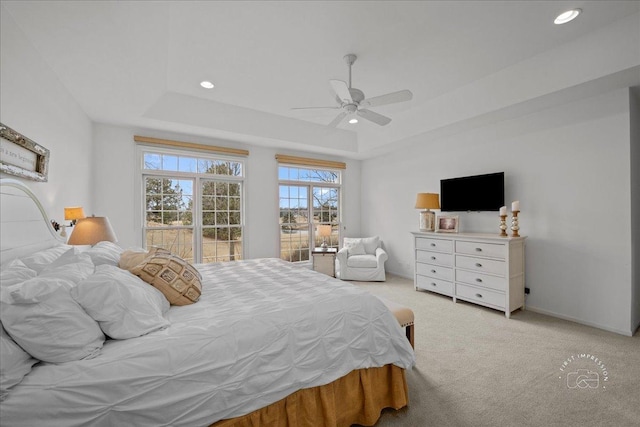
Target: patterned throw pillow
{"points": [[131, 258], [178, 280]]}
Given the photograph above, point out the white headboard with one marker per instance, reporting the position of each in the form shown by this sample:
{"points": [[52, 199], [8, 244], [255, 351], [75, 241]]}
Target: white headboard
{"points": [[24, 225]]}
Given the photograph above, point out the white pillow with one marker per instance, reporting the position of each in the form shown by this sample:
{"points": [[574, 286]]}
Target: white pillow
{"points": [[354, 246], [371, 244], [75, 272], [74, 268], [16, 272], [105, 253], [16, 363], [44, 320], [123, 304], [45, 257]]}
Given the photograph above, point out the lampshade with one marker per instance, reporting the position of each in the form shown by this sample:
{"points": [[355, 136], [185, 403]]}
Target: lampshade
{"points": [[428, 201], [72, 213], [91, 230], [324, 230]]}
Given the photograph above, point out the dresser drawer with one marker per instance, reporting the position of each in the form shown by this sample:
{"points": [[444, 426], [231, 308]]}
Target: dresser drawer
{"points": [[434, 244], [481, 296], [434, 258], [435, 271], [481, 265], [435, 285], [492, 250], [479, 279]]}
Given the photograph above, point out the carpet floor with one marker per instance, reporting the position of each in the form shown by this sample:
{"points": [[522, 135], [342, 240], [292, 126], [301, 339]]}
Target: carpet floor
{"points": [[474, 367]]}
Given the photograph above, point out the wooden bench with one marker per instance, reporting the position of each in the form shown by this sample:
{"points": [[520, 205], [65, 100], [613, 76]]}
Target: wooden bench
{"points": [[404, 315]]}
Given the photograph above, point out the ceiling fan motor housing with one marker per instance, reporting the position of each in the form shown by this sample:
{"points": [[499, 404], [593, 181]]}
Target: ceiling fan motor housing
{"points": [[356, 95]]}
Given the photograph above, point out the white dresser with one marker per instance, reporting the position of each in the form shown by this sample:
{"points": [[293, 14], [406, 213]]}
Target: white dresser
{"points": [[480, 268]]}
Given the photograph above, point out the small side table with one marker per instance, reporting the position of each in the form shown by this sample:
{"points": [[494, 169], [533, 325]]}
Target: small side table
{"points": [[324, 261]]}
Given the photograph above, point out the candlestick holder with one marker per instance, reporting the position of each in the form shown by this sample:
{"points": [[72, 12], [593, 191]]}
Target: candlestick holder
{"points": [[514, 224], [503, 226]]}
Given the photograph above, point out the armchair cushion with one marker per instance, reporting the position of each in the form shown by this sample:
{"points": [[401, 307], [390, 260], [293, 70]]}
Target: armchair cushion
{"points": [[362, 261]]}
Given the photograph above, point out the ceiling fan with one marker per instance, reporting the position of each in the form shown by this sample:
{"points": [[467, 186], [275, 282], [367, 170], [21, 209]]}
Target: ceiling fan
{"points": [[352, 100]]}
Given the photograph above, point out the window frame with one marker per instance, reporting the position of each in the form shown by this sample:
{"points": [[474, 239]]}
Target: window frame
{"points": [[140, 194], [310, 186]]}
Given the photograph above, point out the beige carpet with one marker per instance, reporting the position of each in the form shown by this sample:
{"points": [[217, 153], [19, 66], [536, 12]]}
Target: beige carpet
{"points": [[474, 367]]}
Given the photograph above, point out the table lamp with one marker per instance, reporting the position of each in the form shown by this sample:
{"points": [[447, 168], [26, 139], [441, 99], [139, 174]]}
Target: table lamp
{"points": [[324, 231], [72, 214], [91, 230], [427, 201]]}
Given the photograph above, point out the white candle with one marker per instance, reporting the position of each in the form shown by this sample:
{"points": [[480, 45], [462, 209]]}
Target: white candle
{"points": [[515, 206], [503, 211]]}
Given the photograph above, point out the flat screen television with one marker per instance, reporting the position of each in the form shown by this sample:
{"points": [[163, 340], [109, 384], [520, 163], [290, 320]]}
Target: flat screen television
{"points": [[472, 193]]}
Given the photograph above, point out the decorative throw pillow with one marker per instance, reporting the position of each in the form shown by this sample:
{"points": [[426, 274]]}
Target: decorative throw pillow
{"points": [[16, 363], [371, 244], [131, 258], [43, 319], [178, 280], [354, 246], [123, 305]]}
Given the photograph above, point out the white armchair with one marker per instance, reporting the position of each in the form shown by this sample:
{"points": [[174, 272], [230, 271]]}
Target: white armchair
{"points": [[361, 259]]}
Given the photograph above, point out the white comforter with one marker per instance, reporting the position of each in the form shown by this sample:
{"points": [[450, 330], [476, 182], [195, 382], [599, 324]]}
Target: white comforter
{"points": [[261, 330]]}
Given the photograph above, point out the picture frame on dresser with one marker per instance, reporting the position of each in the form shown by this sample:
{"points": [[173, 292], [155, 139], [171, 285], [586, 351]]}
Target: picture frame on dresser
{"points": [[447, 223]]}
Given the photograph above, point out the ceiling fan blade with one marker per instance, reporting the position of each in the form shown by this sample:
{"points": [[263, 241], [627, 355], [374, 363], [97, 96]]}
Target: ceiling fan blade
{"points": [[374, 117], [315, 108], [390, 98], [342, 90], [338, 119]]}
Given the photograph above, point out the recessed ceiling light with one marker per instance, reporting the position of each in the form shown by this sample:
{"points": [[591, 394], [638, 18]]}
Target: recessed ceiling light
{"points": [[567, 16], [352, 121], [206, 84]]}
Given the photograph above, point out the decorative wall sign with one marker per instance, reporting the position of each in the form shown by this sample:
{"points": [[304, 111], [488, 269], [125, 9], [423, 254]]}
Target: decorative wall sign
{"points": [[21, 156]]}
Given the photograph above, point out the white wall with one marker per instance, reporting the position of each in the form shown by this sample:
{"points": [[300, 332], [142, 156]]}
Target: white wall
{"points": [[35, 103], [114, 185], [569, 167], [634, 113]]}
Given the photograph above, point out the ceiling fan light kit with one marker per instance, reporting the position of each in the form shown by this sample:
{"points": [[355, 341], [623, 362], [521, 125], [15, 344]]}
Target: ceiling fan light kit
{"points": [[352, 100]]}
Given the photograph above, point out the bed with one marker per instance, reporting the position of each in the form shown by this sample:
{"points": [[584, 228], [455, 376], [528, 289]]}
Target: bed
{"points": [[268, 343]]}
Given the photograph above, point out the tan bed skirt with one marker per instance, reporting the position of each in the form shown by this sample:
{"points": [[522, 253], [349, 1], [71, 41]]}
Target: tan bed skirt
{"points": [[356, 398]]}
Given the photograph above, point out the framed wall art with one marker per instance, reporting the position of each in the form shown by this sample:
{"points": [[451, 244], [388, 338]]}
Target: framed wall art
{"points": [[22, 157]]}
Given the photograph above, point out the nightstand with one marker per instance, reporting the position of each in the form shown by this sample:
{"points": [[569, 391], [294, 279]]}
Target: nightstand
{"points": [[324, 261]]}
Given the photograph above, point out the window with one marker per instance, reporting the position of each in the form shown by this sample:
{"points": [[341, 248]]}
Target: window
{"points": [[193, 204], [308, 197]]}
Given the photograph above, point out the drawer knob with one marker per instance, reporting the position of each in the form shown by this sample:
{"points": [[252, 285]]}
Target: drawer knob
{"points": [[479, 280], [478, 249], [433, 284], [479, 296], [433, 271], [433, 257], [433, 245], [478, 264]]}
